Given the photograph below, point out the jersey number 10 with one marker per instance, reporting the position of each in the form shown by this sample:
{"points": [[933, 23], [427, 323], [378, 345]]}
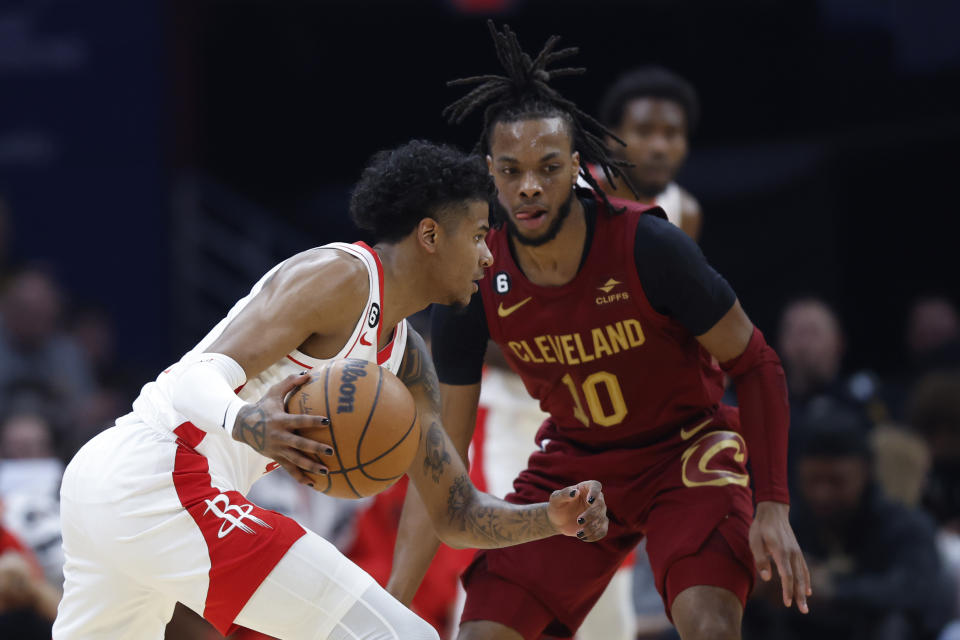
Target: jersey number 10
{"points": [[591, 394]]}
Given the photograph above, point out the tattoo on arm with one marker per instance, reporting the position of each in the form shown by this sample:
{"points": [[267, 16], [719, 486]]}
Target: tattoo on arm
{"points": [[417, 370], [494, 523], [437, 455], [251, 427]]}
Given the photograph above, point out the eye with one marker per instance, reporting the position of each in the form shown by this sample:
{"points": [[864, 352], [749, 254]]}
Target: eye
{"points": [[550, 168], [507, 171]]}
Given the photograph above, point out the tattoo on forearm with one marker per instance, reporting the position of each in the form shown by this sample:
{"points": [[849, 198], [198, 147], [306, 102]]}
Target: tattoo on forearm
{"points": [[437, 455], [251, 427], [494, 523], [417, 370]]}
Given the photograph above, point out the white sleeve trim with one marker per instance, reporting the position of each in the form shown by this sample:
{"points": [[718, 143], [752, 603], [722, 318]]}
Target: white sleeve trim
{"points": [[204, 391]]}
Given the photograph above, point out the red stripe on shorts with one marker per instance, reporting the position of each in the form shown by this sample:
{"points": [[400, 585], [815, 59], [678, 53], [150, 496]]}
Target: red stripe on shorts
{"points": [[244, 542]]}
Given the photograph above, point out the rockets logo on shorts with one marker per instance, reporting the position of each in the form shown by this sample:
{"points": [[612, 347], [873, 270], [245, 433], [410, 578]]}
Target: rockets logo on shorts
{"points": [[234, 521]]}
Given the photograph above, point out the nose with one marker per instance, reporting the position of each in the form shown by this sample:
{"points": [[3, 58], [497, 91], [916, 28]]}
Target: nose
{"points": [[658, 144], [486, 258], [530, 186]]}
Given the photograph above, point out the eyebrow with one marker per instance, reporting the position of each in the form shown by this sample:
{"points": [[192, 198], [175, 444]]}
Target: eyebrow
{"points": [[549, 156]]}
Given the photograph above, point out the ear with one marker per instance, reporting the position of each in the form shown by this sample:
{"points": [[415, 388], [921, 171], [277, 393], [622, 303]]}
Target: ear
{"points": [[489, 165], [428, 232], [575, 162]]}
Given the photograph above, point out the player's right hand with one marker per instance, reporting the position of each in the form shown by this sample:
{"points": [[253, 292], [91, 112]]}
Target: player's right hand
{"points": [[579, 511], [270, 430]]}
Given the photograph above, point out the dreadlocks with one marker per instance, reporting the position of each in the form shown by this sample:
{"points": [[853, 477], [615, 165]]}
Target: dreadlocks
{"points": [[525, 93]]}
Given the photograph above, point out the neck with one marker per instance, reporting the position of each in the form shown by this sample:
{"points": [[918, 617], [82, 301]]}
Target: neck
{"points": [[556, 262], [404, 285]]}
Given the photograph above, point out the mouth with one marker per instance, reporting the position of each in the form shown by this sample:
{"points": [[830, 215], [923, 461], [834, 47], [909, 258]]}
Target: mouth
{"points": [[531, 216]]}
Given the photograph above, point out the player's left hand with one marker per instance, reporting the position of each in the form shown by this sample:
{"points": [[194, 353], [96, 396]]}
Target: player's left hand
{"points": [[579, 511], [771, 536]]}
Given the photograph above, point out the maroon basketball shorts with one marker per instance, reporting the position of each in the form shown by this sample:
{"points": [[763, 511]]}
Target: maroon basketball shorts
{"points": [[689, 495]]}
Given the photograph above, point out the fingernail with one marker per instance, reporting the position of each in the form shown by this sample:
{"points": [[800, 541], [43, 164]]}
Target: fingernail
{"points": [[573, 492], [303, 373], [591, 499], [328, 451], [324, 420], [310, 484], [580, 520], [580, 534], [323, 472]]}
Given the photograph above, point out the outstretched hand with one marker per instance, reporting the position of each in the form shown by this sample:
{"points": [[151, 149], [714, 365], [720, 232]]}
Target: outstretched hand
{"points": [[771, 536], [579, 511], [269, 429]]}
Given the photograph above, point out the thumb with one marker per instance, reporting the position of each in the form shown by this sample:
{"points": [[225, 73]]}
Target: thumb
{"points": [[569, 494]]}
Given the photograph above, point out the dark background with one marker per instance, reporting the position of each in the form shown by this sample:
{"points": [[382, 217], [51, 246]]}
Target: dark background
{"points": [[825, 160]]}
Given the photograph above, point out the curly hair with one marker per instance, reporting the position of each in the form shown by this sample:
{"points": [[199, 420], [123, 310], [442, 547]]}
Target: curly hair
{"points": [[649, 82], [524, 93], [399, 187]]}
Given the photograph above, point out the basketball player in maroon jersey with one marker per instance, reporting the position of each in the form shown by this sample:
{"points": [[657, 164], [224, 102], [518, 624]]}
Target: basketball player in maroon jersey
{"points": [[610, 314]]}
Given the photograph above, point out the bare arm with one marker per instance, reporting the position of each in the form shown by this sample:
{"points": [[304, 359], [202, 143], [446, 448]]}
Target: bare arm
{"points": [[305, 299], [461, 515]]}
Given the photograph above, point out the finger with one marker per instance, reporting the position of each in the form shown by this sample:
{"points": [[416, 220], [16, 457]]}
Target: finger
{"points": [[305, 463], [786, 576], [760, 555], [293, 421], [288, 384], [306, 445], [295, 472], [596, 530], [801, 583], [567, 494]]}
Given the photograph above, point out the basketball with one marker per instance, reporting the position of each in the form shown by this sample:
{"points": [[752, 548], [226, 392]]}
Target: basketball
{"points": [[374, 428]]}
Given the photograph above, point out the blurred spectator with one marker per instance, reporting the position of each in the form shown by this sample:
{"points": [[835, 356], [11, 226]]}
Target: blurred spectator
{"points": [[29, 487], [874, 565], [654, 111], [935, 413], [933, 335], [28, 604], [33, 349], [92, 329]]}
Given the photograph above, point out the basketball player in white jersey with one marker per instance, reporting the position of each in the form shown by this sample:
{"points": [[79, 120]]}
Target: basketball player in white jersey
{"points": [[153, 508], [654, 111]]}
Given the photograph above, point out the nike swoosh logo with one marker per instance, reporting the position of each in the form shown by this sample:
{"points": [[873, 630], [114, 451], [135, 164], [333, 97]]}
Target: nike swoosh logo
{"points": [[503, 313], [686, 434], [363, 340]]}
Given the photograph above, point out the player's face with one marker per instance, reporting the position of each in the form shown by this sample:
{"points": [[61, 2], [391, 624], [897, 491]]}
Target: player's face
{"points": [[655, 131], [534, 168], [465, 256]]}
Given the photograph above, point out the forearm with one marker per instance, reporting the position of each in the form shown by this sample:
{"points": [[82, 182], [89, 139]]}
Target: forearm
{"points": [[203, 391], [416, 546], [478, 520], [764, 416]]}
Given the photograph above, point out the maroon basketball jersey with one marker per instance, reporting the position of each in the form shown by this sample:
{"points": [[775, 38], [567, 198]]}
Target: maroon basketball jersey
{"points": [[607, 367]]}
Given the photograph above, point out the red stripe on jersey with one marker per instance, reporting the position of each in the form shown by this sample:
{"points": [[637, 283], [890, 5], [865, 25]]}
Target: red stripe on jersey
{"points": [[376, 259], [244, 542], [305, 366]]}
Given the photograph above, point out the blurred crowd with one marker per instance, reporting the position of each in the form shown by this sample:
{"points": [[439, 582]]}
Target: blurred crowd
{"points": [[874, 467]]}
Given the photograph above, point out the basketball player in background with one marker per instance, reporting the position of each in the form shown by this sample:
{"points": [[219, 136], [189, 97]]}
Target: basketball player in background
{"points": [[654, 111], [610, 315], [153, 509]]}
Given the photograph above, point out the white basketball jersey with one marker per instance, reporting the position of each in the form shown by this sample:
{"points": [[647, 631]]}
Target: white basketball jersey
{"points": [[233, 463], [671, 201]]}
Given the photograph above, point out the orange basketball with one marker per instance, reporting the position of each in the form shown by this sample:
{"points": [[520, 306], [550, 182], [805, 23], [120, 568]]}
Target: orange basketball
{"points": [[374, 429]]}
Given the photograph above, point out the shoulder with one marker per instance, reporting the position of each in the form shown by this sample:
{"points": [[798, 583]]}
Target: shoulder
{"points": [[321, 280], [689, 205]]}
